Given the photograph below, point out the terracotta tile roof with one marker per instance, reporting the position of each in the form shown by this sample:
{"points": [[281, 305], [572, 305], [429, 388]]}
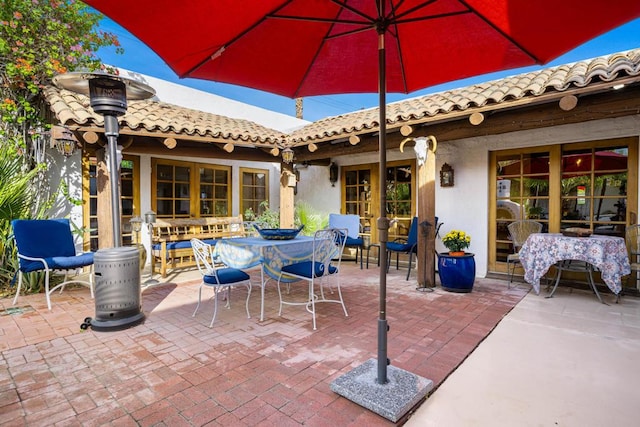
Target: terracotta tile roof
{"points": [[498, 92], [162, 118]]}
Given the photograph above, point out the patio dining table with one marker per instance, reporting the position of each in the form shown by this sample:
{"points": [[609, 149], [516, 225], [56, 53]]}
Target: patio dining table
{"points": [[271, 255], [607, 253]]}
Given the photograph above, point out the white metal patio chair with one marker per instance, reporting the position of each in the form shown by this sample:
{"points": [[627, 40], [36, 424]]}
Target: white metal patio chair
{"points": [[217, 278], [328, 245]]}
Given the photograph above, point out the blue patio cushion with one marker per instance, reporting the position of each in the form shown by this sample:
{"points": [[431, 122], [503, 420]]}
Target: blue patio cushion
{"points": [[412, 239], [350, 241], [399, 247], [59, 263], [306, 268], [50, 239], [183, 244], [354, 242], [226, 276]]}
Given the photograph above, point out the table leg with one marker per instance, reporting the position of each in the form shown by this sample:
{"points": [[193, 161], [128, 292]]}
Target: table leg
{"points": [[262, 285], [566, 265], [375, 245]]}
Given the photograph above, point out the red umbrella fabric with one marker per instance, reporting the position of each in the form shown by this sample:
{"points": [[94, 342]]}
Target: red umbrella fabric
{"points": [[318, 47]]}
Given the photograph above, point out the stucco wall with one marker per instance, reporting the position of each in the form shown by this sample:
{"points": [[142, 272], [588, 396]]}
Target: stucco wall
{"points": [[315, 189], [464, 206]]}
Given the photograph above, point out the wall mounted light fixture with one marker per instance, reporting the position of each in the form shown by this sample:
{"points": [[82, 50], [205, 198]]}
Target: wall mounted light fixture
{"points": [[446, 176], [63, 140], [287, 155], [333, 173]]}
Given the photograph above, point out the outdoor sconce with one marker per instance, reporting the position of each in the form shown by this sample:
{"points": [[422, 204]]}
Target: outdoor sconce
{"points": [[333, 173], [287, 155], [136, 226], [63, 140], [446, 176], [108, 96], [150, 217]]}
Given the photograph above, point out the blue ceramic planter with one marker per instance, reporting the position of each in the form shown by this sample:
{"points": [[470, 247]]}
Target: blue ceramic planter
{"points": [[457, 273]]}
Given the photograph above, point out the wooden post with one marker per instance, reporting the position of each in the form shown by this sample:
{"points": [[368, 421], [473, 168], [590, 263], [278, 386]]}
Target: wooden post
{"points": [[427, 209], [105, 227], [287, 184], [426, 163]]}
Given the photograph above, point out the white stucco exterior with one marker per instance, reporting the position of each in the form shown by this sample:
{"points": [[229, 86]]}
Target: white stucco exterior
{"points": [[464, 206]]}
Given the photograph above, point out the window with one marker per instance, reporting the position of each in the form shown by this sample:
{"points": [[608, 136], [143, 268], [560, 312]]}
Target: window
{"points": [[594, 189], [588, 185], [190, 190], [129, 196], [214, 192], [360, 196], [255, 190], [399, 199], [357, 191], [522, 192]]}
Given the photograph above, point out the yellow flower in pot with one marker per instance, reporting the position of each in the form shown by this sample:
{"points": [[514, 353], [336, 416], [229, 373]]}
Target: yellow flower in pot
{"points": [[456, 241]]}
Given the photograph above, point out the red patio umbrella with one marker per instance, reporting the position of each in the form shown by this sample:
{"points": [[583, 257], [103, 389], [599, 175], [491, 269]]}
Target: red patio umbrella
{"points": [[317, 47]]}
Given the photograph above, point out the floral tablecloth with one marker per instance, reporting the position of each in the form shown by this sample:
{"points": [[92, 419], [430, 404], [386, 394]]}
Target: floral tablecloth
{"points": [[607, 253]]}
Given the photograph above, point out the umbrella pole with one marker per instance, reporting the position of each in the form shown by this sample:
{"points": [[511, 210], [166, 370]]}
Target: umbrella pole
{"points": [[395, 391], [383, 221]]}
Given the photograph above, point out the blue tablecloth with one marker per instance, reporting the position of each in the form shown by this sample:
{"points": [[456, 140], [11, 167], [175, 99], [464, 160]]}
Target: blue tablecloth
{"points": [[246, 252]]}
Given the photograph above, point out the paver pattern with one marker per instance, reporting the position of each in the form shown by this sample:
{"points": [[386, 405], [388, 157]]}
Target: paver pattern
{"points": [[174, 370]]}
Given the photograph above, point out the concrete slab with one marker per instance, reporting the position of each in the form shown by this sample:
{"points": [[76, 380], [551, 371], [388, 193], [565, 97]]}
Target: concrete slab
{"points": [[567, 360]]}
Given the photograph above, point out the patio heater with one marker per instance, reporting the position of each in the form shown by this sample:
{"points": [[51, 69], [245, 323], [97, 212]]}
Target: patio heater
{"points": [[108, 95], [118, 293]]}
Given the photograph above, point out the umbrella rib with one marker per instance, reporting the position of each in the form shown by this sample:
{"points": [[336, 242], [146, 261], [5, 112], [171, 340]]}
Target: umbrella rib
{"points": [[358, 12], [326, 37], [413, 9], [367, 19], [505, 35], [221, 49], [321, 20]]}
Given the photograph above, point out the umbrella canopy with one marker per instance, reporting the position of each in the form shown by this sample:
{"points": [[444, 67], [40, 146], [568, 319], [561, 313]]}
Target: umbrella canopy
{"points": [[317, 47]]}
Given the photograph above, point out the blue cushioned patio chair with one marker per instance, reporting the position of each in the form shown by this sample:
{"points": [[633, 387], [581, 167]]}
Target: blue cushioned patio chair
{"points": [[408, 246], [217, 278], [328, 245], [352, 224], [47, 245]]}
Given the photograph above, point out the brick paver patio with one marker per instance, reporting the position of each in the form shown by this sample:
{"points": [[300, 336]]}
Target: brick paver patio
{"points": [[174, 370]]}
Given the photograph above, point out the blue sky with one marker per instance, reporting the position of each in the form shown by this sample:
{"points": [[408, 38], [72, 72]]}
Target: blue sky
{"points": [[139, 58]]}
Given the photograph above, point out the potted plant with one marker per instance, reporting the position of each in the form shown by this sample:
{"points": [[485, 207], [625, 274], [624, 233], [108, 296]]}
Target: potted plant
{"points": [[456, 269], [456, 241]]}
